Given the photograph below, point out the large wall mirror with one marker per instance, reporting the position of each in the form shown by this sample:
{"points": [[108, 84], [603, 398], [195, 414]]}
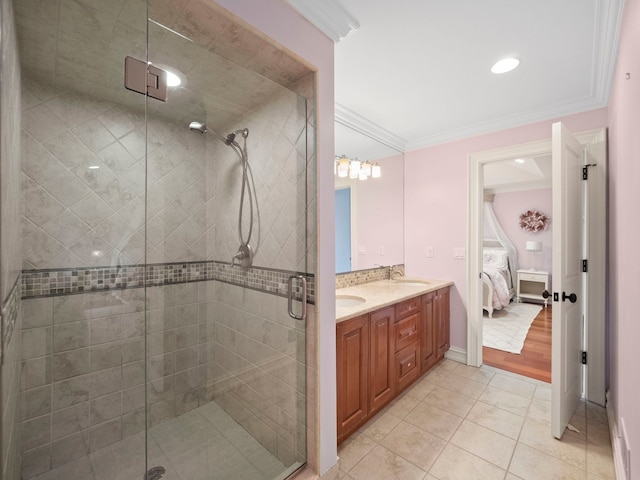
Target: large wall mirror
{"points": [[369, 213]]}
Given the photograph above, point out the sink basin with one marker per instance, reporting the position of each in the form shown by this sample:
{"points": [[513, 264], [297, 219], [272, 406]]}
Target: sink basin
{"points": [[412, 282], [343, 301]]}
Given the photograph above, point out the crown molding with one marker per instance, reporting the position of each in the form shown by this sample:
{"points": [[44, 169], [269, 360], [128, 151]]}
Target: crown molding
{"points": [[329, 16], [608, 22], [357, 122], [505, 123]]}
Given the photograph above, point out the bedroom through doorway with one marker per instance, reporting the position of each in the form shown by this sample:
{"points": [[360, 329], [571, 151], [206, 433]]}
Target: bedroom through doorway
{"points": [[516, 265]]}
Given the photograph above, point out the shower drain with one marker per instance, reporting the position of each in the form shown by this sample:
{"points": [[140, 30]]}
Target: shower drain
{"points": [[155, 473]]}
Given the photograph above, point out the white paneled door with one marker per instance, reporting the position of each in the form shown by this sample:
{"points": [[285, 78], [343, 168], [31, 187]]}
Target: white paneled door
{"points": [[568, 298]]}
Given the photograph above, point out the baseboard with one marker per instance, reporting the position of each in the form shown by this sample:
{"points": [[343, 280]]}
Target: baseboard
{"points": [[456, 354], [616, 441]]}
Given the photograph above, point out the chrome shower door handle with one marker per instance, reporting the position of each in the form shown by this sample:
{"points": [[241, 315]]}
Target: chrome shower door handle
{"points": [[303, 313]]}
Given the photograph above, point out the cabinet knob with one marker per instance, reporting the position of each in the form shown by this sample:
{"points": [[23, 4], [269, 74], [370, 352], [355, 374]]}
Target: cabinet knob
{"points": [[408, 364]]}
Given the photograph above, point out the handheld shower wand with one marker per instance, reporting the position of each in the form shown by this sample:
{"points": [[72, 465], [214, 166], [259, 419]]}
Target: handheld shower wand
{"points": [[244, 255]]}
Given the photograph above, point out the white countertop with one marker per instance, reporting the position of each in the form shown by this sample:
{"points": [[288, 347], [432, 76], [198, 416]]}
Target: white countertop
{"points": [[383, 293]]}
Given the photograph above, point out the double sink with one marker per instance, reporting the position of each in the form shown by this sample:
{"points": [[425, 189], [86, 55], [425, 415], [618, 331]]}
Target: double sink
{"points": [[358, 299]]}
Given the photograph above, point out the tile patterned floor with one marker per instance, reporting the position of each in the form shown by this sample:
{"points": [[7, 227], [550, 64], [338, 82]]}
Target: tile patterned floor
{"points": [[466, 423], [204, 444]]}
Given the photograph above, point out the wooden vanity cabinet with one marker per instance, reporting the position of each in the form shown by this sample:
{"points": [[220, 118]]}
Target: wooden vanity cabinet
{"points": [[381, 353], [428, 339], [381, 374], [435, 327], [407, 342], [352, 360], [442, 317]]}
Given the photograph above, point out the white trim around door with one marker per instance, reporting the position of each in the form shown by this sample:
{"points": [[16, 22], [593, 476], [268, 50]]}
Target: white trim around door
{"points": [[594, 142]]}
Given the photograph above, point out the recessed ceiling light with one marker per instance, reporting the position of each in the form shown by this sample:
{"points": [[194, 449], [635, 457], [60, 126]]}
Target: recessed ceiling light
{"points": [[519, 160], [505, 65], [173, 80]]}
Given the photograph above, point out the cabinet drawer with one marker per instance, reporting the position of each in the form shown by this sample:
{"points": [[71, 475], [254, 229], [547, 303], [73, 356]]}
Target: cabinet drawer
{"points": [[405, 331], [407, 307], [407, 365], [532, 277]]}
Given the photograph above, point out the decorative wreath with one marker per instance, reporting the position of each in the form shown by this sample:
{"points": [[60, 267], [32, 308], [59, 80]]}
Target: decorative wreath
{"points": [[534, 221]]}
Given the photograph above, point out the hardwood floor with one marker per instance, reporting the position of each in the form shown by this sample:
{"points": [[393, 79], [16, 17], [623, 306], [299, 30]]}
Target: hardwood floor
{"points": [[535, 359]]}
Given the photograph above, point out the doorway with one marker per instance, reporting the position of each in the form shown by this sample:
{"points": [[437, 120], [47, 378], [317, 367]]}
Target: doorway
{"points": [[343, 230], [594, 143], [516, 265]]}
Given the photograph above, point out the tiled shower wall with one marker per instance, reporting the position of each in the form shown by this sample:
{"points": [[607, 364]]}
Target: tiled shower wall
{"points": [[10, 246], [84, 367], [83, 360], [75, 216]]}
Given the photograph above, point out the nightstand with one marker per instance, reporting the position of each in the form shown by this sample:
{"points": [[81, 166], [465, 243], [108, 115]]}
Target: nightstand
{"points": [[531, 284]]}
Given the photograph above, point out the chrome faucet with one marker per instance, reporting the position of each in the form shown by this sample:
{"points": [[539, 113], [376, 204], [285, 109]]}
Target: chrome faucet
{"points": [[395, 271]]}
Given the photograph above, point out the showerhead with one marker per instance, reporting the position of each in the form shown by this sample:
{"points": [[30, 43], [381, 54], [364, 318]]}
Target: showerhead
{"points": [[198, 127], [229, 139]]}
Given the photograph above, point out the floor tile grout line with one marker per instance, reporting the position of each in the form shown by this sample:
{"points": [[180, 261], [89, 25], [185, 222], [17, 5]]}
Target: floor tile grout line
{"points": [[443, 375], [520, 433]]}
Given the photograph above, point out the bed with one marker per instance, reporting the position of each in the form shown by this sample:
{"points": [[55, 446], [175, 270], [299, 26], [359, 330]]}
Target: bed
{"points": [[498, 289]]}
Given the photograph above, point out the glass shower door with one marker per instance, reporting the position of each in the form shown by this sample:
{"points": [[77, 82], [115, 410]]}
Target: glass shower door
{"points": [[83, 190], [226, 227]]}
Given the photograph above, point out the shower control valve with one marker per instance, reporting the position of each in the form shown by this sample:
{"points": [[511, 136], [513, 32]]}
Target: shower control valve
{"points": [[244, 255]]}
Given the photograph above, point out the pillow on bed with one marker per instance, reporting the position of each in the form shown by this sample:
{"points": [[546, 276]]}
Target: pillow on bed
{"points": [[495, 257]]}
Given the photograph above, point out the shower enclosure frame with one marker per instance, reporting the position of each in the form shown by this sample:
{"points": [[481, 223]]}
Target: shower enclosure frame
{"points": [[69, 298]]}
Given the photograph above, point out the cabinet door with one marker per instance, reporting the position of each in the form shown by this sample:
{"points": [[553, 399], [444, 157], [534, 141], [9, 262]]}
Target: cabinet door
{"points": [[381, 384], [407, 363], [428, 338], [442, 314], [352, 362]]}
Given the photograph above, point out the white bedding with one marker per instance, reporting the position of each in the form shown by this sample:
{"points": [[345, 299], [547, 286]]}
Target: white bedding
{"points": [[495, 265]]}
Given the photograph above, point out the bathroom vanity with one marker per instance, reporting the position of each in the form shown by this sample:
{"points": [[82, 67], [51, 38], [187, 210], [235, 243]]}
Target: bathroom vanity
{"points": [[388, 334]]}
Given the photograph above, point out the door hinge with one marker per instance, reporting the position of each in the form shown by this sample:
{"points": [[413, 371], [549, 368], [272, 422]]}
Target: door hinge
{"points": [[584, 358], [144, 78], [585, 265], [585, 170]]}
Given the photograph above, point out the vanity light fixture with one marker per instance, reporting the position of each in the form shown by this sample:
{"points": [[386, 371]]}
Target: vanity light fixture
{"points": [[343, 166], [505, 65], [354, 168]]}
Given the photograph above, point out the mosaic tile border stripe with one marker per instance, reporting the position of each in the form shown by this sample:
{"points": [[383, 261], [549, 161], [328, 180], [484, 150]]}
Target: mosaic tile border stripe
{"points": [[9, 315], [69, 281], [350, 279]]}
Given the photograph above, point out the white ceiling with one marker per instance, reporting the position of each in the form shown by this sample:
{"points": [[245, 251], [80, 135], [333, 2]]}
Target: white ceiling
{"points": [[417, 72]]}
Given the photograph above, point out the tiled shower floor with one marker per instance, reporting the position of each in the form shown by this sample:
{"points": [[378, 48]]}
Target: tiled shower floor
{"points": [[203, 444]]}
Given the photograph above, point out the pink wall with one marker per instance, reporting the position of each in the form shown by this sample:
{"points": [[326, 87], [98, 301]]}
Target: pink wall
{"points": [[378, 216], [436, 204], [508, 207], [280, 22], [624, 232]]}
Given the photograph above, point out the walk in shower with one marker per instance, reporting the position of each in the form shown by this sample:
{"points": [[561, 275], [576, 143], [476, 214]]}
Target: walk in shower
{"points": [[157, 333]]}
